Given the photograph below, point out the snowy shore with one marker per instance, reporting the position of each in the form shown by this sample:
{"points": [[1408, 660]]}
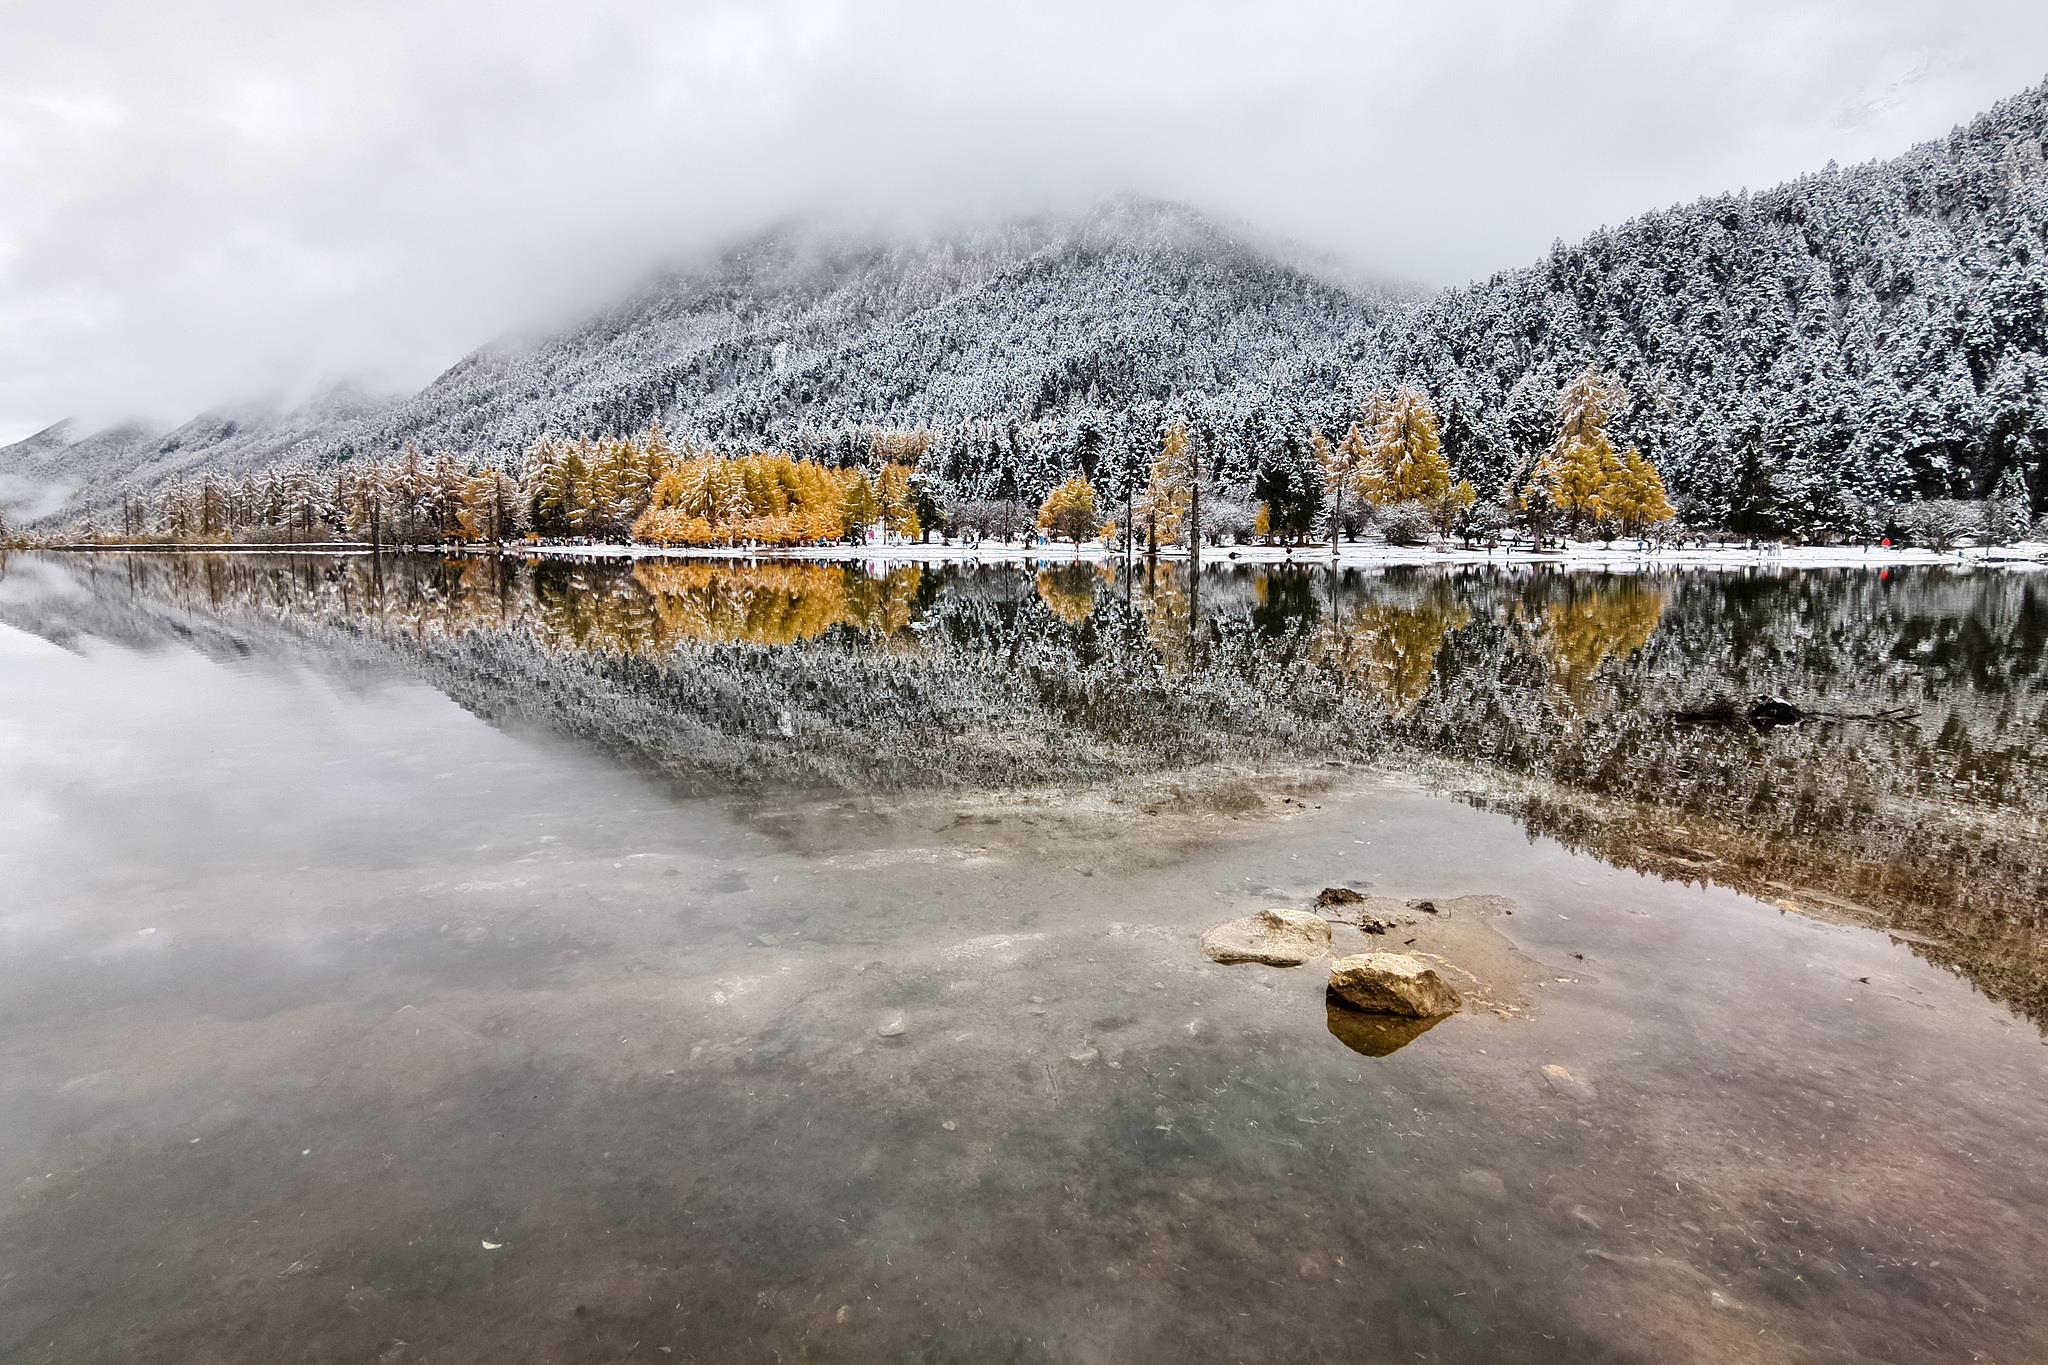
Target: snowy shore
{"points": [[1578, 555], [1356, 555]]}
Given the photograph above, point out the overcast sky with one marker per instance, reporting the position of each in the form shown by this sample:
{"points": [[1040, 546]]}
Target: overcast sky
{"points": [[202, 200]]}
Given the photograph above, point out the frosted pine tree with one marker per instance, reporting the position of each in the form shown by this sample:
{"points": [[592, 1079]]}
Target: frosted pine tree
{"points": [[2007, 514]]}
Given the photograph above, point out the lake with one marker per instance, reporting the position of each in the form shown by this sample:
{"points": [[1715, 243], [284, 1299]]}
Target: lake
{"points": [[438, 959]]}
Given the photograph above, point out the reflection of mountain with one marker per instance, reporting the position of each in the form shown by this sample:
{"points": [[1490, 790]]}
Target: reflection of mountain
{"points": [[1553, 691]]}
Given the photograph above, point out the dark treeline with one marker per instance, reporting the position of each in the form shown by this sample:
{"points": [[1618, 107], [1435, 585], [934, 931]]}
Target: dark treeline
{"points": [[1388, 473]]}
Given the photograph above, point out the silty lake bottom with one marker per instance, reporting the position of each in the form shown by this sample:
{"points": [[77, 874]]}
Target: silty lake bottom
{"points": [[485, 960]]}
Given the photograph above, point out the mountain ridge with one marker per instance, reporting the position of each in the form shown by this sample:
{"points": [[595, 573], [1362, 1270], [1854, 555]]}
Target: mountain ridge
{"points": [[1854, 336]]}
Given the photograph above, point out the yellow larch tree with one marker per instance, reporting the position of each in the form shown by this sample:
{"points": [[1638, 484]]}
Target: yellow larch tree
{"points": [[898, 501], [1637, 500], [1068, 512], [1170, 494], [1405, 460], [1577, 474]]}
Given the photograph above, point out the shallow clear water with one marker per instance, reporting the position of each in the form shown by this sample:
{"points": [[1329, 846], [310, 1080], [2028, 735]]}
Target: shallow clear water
{"points": [[776, 965]]}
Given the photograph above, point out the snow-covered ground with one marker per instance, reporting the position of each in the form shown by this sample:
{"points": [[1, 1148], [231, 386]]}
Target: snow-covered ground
{"points": [[1366, 554], [1579, 554]]}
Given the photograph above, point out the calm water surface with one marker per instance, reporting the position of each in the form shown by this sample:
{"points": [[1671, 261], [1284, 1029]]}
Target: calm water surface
{"points": [[438, 960]]}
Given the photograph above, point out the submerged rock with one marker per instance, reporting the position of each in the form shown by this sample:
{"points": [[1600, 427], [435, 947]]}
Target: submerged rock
{"points": [[1275, 938], [1564, 1082], [1482, 1184], [1393, 983]]}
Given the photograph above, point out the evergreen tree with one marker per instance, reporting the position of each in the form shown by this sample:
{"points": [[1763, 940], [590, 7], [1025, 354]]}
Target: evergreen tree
{"points": [[2007, 514], [1289, 484]]}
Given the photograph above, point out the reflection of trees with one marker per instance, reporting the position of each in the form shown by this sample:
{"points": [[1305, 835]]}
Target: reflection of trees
{"points": [[1958, 894], [1557, 690], [773, 604], [1285, 598], [1068, 591], [1167, 599], [1389, 648], [1936, 827], [589, 607], [1583, 622]]}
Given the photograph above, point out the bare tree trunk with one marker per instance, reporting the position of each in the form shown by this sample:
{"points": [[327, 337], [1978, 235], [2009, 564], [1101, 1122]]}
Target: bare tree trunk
{"points": [[1337, 516]]}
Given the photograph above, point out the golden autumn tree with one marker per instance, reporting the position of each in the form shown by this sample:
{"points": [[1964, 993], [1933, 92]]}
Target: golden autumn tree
{"points": [[1576, 473], [859, 505], [1068, 512], [1170, 495], [1636, 499], [1405, 450], [764, 498], [898, 501]]}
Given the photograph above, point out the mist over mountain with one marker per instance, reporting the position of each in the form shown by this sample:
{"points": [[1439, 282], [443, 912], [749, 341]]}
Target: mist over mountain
{"points": [[1867, 335]]}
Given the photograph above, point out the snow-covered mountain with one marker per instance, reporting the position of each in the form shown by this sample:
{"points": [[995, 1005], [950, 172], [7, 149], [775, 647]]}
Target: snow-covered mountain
{"points": [[1134, 302], [1846, 341], [1857, 337], [798, 333], [63, 469]]}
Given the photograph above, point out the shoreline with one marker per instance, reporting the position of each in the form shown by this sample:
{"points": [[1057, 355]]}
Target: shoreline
{"points": [[1358, 555]]}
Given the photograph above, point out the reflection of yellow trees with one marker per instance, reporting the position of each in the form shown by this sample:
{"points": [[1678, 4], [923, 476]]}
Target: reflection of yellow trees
{"points": [[1069, 591], [595, 610], [1169, 614], [565, 607], [881, 605], [1577, 632], [1390, 648], [774, 604]]}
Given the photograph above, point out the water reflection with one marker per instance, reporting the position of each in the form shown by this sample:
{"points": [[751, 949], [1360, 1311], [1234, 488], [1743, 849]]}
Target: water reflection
{"points": [[1576, 625], [771, 604], [1372, 1035], [1550, 694], [1388, 647]]}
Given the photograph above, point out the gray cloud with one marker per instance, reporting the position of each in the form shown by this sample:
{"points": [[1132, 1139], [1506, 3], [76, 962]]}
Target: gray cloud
{"points": [[204, 200]]}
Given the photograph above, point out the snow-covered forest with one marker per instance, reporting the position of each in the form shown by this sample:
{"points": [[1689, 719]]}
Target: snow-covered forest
{"points": [[1791, 359], [1876, 333]]}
